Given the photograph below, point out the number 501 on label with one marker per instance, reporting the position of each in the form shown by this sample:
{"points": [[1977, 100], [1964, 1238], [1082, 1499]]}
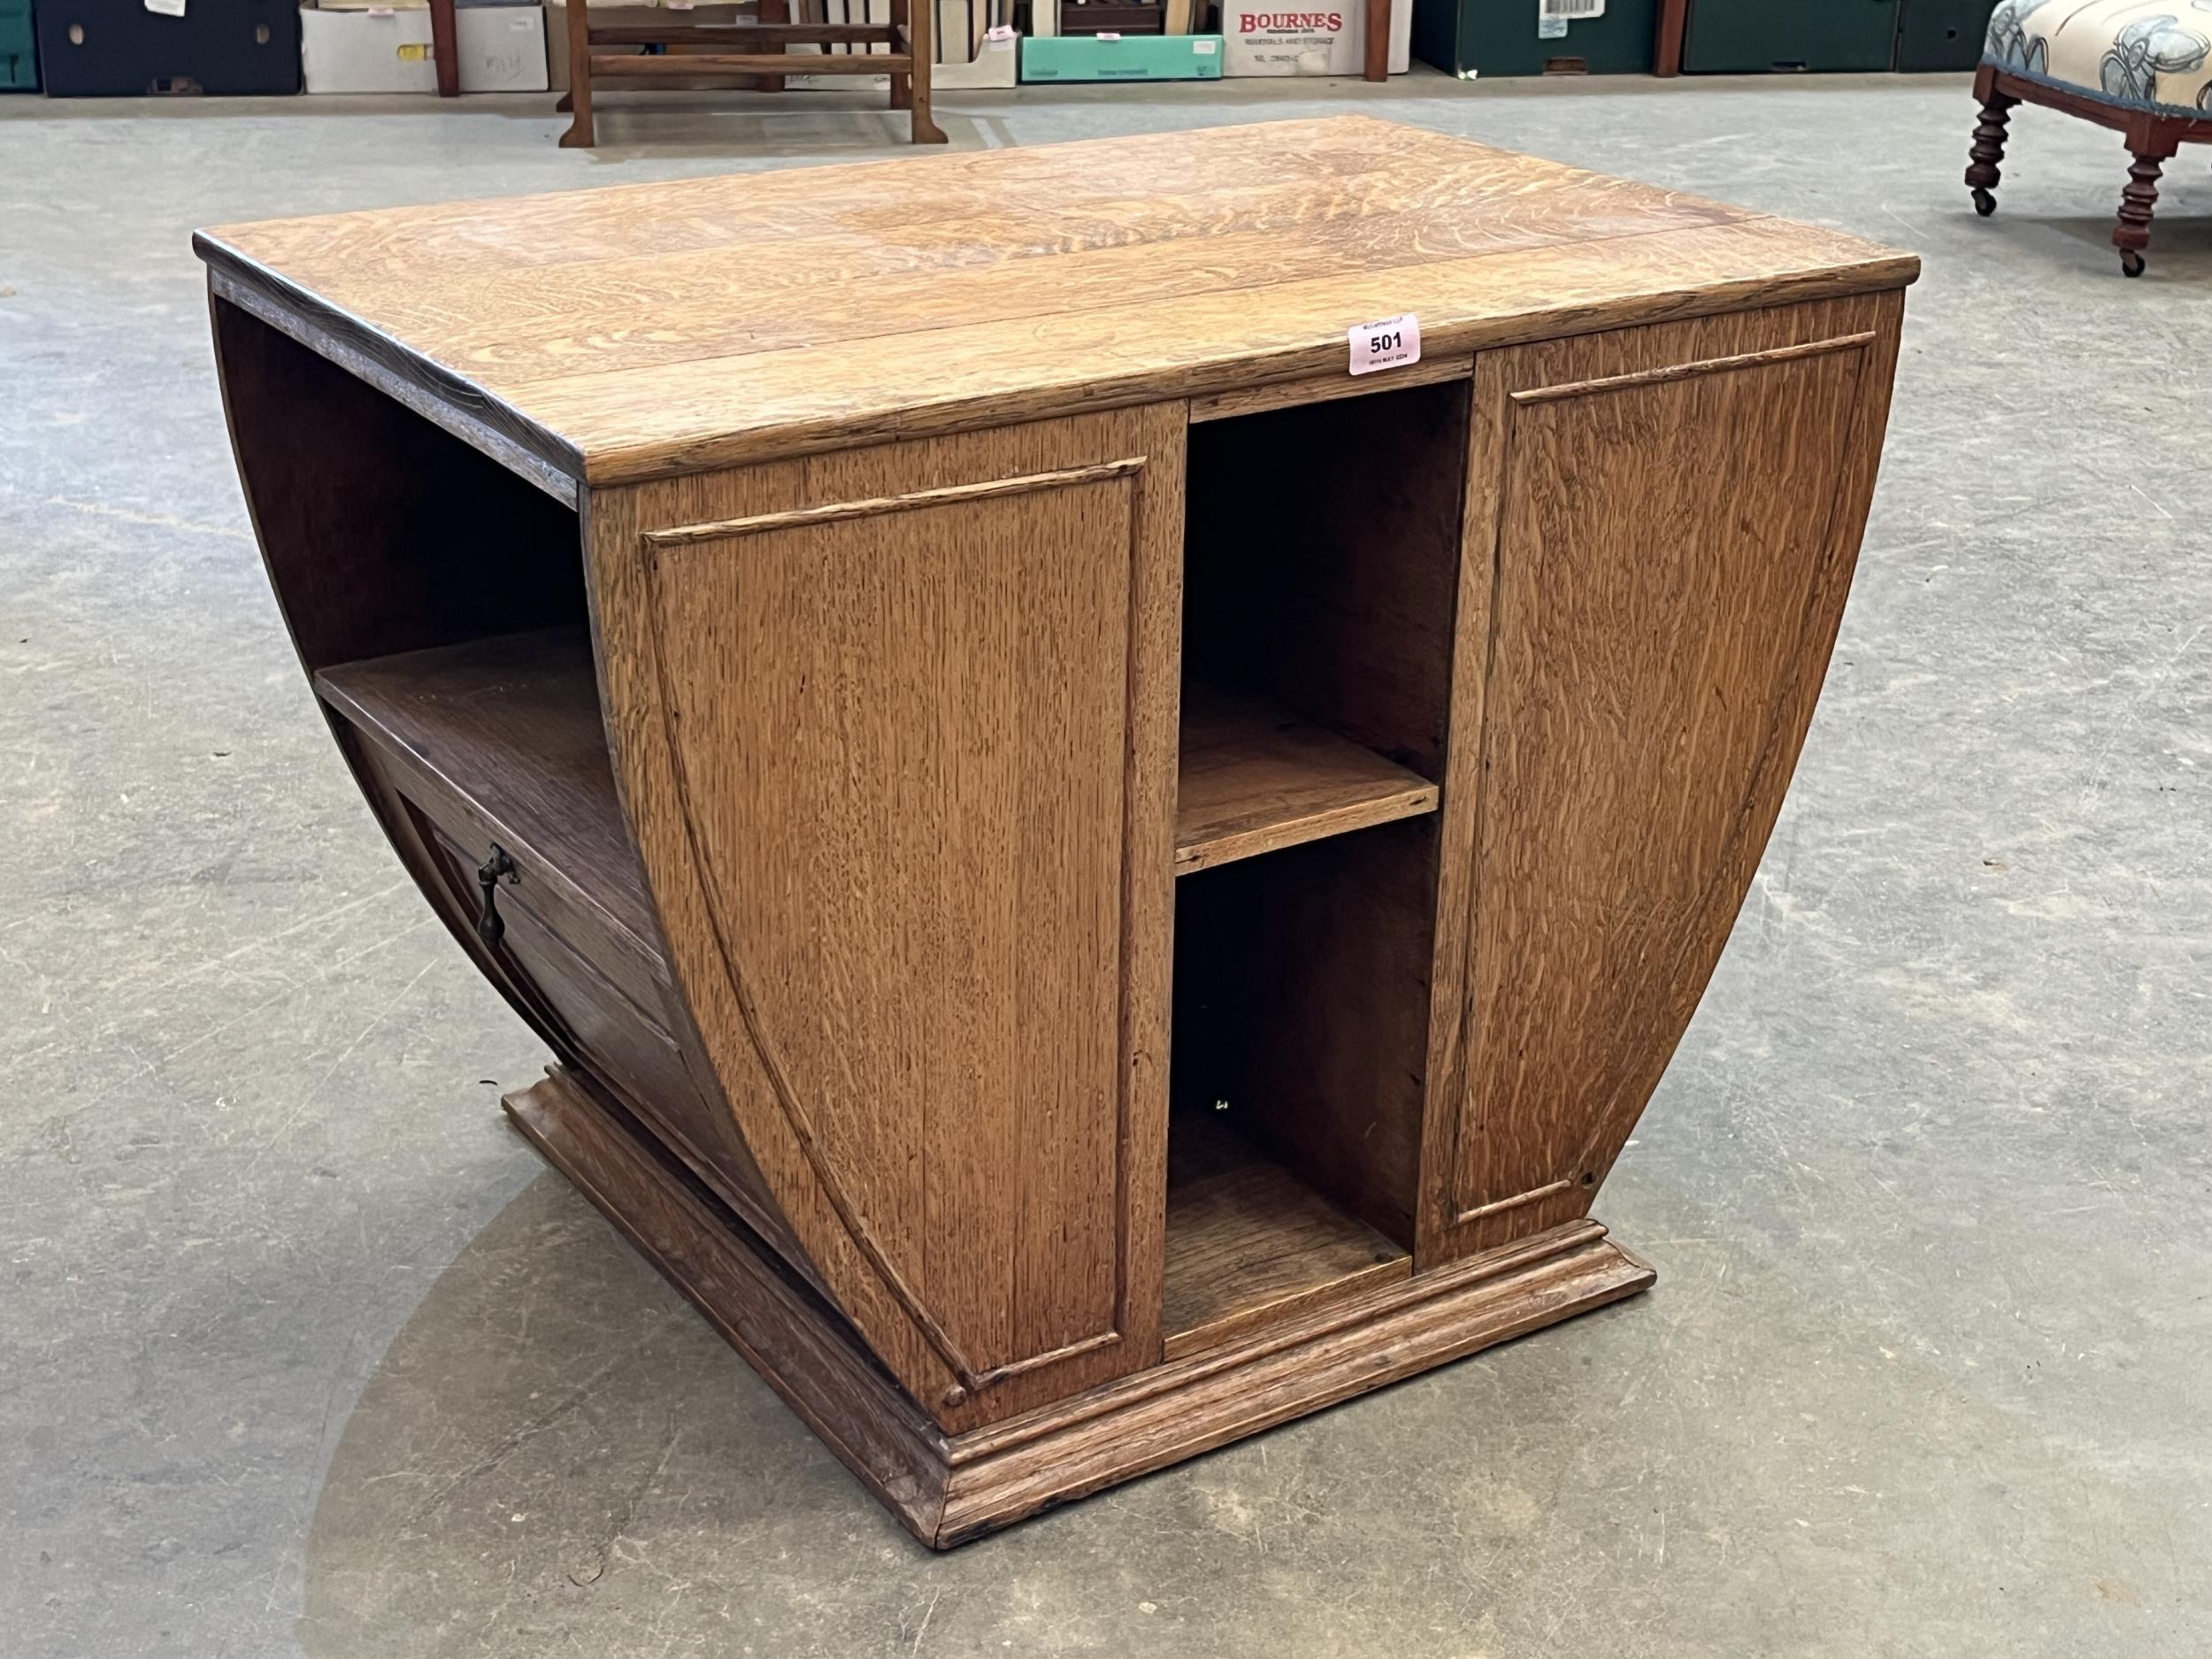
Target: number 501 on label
{"points": [[1388, 344]]}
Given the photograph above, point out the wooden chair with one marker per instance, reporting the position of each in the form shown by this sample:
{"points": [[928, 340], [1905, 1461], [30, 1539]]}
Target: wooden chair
{"points": [[2144, 68], [755, 52]]}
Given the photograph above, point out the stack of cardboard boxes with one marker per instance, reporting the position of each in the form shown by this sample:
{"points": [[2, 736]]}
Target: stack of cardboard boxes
{"points": [[385, 46]]}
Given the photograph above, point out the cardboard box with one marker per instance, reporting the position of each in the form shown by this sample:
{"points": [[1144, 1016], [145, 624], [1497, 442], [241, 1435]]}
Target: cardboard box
{"points": [[996, 62], [1322, 37], [501, 47], [1125, 57], [387, 49]]}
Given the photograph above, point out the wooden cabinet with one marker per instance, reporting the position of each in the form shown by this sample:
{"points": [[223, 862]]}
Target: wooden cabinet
{"points": [[1095, 882]]}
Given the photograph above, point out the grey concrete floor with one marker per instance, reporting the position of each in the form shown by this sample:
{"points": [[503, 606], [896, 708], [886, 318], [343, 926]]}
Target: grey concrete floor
{"points": [[301, 1353]]}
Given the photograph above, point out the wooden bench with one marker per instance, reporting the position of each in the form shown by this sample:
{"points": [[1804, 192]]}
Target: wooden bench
{"points": [[754, 51]]}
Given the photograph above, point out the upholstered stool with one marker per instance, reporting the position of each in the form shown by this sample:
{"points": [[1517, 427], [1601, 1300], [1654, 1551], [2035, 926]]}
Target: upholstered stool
{"points": [[2143, 66]]}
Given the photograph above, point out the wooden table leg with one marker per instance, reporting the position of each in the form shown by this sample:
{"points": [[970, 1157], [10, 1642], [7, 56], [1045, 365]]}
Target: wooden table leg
{"points": [[1666, 45], [901, 86], [774, 12], [445, 49], [1377, 64], [580, 135], [920, 41]]}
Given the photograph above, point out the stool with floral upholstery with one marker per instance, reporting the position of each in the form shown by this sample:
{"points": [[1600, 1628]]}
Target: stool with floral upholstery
{"points": [[2144, 67]]}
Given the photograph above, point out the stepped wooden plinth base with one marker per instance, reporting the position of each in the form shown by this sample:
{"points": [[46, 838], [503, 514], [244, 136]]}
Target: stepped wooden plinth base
{"points": [[949, 1489]]}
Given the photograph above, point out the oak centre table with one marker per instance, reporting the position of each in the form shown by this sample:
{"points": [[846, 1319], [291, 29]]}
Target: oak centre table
{"points": [[1095, 880]]}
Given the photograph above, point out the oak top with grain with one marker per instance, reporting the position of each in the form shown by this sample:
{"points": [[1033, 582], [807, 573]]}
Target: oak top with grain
{"points": [[640, 331]]}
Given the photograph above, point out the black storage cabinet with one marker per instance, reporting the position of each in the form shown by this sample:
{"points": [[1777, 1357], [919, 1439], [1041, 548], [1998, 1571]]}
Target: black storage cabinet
{"points": [[1942, 34], [116, 49], [1499, 37], [1751, 37]]}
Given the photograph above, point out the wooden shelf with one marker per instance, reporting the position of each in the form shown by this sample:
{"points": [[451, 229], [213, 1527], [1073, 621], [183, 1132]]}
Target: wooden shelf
{"points": [[1249, 1244], [512, 725], [1255, 778]]}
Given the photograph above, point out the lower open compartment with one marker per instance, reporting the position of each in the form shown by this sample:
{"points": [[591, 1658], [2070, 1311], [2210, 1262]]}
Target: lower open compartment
{"points": [[1297, 1078]]}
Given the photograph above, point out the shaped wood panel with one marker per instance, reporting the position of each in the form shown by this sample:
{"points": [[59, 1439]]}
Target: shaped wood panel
{"points": [[1663, 523], [910, 829]]}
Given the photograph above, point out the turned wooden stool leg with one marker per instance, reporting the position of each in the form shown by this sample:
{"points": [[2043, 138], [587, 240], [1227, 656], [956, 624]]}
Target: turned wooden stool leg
{"points": [[1989, 149], [580, 135], [2153, 147]]}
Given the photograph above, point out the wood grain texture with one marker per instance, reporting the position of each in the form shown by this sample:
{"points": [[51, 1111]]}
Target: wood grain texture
{"points": [[658, 329], [950, 1489], [908, 777], [1249, 1244], [508, 729], [1327, 389], [1303, 999], [1254, 779], [1652, 665], [597, 993]]}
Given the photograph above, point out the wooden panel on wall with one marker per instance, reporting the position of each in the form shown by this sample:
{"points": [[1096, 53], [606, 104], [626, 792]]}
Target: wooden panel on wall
{"points": [[1675, 512], [904, 769]]}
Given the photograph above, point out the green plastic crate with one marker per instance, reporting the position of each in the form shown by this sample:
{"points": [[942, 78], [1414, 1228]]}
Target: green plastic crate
{"points": [[1508, 37], [1752, 37], [1129, 57], [1942, 34]]}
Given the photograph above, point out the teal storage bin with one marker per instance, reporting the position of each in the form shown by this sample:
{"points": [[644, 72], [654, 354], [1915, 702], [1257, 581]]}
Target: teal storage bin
{"points": [[1756, 37], [1509, 37], [1131, 58], [19, 47]]}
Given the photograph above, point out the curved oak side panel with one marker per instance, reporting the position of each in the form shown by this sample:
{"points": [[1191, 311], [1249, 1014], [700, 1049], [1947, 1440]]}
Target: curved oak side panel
{"points": [[897, 730], [389, 541], [1672, 515]]}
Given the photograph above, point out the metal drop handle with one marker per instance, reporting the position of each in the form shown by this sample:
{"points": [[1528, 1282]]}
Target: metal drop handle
{"points": [[490, 926]]}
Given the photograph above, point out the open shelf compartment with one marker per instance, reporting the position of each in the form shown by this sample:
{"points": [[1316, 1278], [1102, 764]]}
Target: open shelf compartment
{"points": [[1321, 561]]}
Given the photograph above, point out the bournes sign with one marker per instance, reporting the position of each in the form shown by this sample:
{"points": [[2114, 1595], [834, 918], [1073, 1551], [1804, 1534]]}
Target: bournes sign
{"points": [[1284, 41]]}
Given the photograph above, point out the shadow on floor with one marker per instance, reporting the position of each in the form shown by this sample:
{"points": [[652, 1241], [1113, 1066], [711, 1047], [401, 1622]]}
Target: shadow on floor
{"points": [[492, 1486]]}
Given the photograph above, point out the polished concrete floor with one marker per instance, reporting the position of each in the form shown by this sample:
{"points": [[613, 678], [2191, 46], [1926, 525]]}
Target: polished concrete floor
{"points": [[301, 1353]]}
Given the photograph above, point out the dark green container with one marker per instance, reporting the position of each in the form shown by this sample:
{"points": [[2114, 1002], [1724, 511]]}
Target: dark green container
{"points": [[1501, 37], [1942, 34], [1754, 37], [19, 47]]}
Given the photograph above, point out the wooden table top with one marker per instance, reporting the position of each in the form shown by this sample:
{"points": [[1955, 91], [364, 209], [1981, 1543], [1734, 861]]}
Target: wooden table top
{"points": [[601, 336]]}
